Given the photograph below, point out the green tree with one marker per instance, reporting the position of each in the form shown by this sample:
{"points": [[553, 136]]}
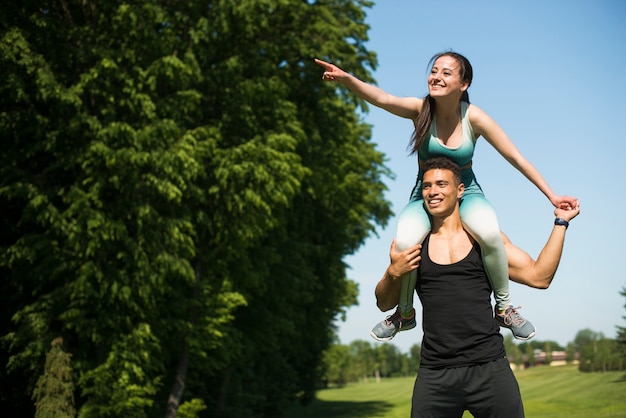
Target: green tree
{"points": [[337, 361], [364, 359], [570, 353], [586, 343], [621, 331], [414, 356], [179, 192], [598, 353], [388, 360], [513, 351], [605, 356], [405, 365], [530, 355], [547, 349], [125, 384], [54, 393]]}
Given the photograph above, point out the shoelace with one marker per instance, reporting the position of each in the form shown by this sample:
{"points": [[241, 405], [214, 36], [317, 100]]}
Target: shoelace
{"points": [[513, 318], [395, 316]]}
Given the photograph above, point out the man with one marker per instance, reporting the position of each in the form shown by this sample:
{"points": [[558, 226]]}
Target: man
{"points": [[463, 364]]}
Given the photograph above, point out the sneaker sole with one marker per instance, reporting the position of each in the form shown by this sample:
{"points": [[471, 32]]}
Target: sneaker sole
{"points": [[503, 325], [377, 338], [383, 339], [532, 334]]}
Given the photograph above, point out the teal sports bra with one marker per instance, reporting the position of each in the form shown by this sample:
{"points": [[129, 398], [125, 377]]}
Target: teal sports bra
{"points": [[462, 155]]}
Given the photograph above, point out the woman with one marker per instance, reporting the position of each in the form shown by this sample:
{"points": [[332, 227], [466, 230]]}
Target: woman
{"points": [[446, 124]]}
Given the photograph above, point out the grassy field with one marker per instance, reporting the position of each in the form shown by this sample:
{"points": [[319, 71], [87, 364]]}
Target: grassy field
{"points": [[554, 392]]}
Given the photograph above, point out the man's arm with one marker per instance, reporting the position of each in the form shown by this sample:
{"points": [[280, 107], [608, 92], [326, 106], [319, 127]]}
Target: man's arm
{"points": [[388, 288], [522, 267], [539, 273]]}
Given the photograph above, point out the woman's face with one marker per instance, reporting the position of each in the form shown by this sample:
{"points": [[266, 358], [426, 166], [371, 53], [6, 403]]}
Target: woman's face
{"points": [[445, 78]]}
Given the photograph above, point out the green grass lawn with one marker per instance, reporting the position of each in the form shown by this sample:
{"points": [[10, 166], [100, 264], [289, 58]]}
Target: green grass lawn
{"points": [[547, 392]]}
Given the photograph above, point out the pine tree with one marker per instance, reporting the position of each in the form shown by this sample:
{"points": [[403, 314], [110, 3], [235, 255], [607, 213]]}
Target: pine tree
{"points": [[54, 393]]}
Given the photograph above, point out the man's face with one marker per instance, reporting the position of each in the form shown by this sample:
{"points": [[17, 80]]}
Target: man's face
{"points": [[440, 191]]}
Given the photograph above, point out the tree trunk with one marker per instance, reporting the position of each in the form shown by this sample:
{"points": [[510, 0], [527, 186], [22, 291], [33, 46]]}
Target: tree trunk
{"points": [[221, 401], [176, 392]]}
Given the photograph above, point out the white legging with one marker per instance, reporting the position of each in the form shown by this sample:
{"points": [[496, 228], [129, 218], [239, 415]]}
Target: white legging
{"points": [[478, 217]]}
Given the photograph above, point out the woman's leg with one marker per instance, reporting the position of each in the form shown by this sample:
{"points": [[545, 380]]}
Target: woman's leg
{"points": [[480, 219], [413, 226]]}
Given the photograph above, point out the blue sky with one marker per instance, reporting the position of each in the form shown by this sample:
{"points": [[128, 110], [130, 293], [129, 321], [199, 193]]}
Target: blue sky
{"points": [[553, 75]]}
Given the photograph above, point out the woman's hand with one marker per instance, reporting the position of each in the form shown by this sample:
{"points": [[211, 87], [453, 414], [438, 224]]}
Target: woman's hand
{"points": [[565, 202], [331, 71]]}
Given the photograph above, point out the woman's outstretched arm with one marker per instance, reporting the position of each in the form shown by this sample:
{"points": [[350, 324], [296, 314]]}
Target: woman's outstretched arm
{"points": [[484, 125], [406, 107]]}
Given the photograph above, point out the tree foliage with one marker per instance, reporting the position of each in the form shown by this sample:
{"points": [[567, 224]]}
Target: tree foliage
{"points": [[361, 361], [621, 330], [603, 356], [598, 353], [179, 190], [514, 352]]}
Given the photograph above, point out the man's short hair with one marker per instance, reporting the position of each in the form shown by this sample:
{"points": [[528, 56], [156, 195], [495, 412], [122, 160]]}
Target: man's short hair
{"points": [[444, 164]]}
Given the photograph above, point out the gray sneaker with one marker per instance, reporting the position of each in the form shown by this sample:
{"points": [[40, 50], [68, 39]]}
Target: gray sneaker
{"points": [[521, 328], [387, 329]]}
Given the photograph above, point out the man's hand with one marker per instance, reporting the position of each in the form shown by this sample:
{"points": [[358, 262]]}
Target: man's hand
{"points": [[567, 214], [388, 288], [402, 262]]}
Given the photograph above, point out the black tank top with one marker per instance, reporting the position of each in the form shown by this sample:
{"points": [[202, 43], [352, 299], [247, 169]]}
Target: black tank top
{"points": [[458, 323]]}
